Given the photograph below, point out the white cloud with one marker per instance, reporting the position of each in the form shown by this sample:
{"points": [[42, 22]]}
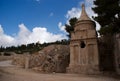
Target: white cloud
{"points": [[61, 27], [25, 36], [41, 34], [1, 30], [24, 32], [76, 12], [5, 40]]}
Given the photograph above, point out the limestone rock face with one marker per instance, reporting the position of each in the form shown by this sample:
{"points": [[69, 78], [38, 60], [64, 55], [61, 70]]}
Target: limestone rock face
{"points": [[18, 60], [53, 58], [57, 58]]}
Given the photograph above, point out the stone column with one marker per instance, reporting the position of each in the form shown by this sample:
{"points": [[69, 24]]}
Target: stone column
{"points": [[71, 55], [27, 59]]}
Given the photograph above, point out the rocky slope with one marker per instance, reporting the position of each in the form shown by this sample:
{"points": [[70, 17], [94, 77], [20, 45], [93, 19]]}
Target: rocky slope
{"points": [[53, 58]]}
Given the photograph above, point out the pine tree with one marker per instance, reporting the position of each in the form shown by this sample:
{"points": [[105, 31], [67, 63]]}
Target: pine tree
{"points": [[108, 12], [69, 28]]}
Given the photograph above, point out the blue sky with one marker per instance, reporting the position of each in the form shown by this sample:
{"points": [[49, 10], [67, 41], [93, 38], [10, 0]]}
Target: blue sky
{"points": [[33, 13], [24, 21]]}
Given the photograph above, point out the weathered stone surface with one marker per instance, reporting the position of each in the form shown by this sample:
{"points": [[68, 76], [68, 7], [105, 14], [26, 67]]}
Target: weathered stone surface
{"points": [[54, 58], [57, 58], [18, 60], [117, 52], [83, 46]]}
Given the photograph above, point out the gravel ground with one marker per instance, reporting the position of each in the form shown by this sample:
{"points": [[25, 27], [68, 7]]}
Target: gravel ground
{"points": [[13, 73]]}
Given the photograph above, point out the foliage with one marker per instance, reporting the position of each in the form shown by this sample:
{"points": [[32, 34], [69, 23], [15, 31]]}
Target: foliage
{"points": [[31, 48], [70, 27], [108, 12]]}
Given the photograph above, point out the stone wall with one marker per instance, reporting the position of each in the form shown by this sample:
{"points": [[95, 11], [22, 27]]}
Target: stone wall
{"points": [[117, 52], [109, 53], [19, 59], [106, 55], [54, 58]]}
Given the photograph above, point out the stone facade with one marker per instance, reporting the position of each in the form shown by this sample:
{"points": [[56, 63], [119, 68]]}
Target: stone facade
{"points": [[83, 46]]}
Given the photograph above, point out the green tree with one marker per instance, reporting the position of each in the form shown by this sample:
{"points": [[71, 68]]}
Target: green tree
{"points": [[2, 49], [108, 16], [70, 27]]}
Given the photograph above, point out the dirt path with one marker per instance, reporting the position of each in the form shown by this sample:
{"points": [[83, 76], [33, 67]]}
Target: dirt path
{"points": [[12, 73], [5, 63]]}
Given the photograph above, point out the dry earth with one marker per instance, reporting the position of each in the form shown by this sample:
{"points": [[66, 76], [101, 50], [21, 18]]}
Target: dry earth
{"points": [[13, 73]]}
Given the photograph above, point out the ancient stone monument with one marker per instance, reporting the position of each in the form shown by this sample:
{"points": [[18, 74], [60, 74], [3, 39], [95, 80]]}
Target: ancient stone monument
{"points": [[83, 46]]}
